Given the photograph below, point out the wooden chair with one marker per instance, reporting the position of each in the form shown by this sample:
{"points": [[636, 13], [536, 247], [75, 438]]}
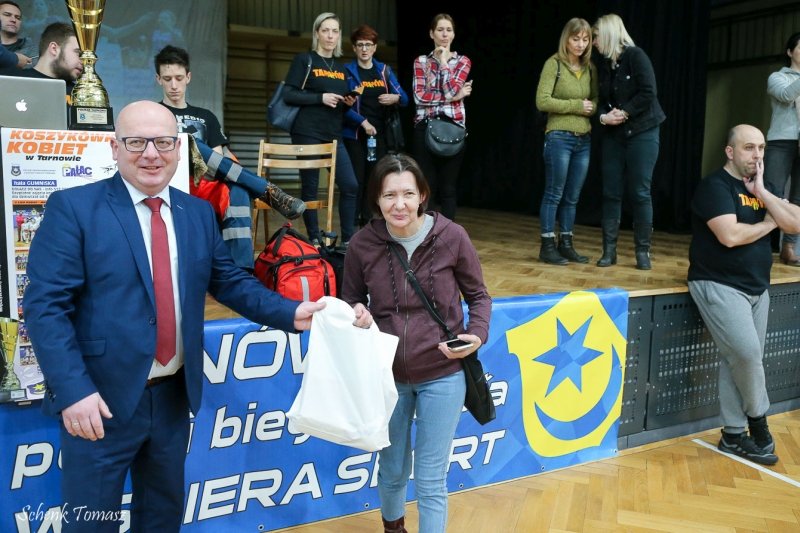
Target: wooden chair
{"points": [[272, 156]]}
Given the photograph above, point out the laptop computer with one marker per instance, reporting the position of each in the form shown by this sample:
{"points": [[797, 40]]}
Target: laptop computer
{"points": [[33, 103]]}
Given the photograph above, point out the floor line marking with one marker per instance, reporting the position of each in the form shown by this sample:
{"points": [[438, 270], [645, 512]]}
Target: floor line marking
{"points": [[757, 466]]}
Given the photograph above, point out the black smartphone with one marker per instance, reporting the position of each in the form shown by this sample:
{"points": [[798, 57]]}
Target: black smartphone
{"points": [[457, 345]]}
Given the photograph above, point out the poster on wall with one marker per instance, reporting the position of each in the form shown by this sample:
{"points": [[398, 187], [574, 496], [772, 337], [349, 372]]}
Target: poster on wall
{"points": [[36, 163]]}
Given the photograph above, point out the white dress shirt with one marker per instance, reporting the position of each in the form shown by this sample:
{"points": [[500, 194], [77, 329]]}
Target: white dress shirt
{"points": [[144, 214]]}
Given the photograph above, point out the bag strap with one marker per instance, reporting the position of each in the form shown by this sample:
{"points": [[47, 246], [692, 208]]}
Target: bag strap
{"points": [[286, 229], [308, 71], [412, 279], [558, 76]]}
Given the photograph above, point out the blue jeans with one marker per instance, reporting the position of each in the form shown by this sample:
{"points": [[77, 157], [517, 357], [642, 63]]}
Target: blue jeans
{"points": [[345, 182], [628, 163], [437, 404], [782, 164], [566, 161]]}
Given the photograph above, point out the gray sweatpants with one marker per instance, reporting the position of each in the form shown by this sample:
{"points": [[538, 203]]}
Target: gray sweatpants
{"points": [[738, 323]]}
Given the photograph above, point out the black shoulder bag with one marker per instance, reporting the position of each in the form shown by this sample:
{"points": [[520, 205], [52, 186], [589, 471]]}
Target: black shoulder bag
{"points": [[279, 113], [478, 399]]}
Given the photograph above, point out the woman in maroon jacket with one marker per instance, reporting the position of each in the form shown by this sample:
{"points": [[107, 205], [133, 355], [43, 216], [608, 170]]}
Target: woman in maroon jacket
{"points": [[430, 381]]}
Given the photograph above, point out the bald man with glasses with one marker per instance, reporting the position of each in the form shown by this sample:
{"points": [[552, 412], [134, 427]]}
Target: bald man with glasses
{"points": [[119, 271]]}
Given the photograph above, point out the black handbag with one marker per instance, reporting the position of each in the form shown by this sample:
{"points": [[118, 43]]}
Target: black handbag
{"points": [[334, 255], [279, 113], [395, 141], [443, 137], [478, 399]]}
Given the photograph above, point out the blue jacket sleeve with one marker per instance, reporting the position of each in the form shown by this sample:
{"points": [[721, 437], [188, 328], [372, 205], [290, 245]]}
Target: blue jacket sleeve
{"points": [[49, 302], [7, 58], [395, 87]]}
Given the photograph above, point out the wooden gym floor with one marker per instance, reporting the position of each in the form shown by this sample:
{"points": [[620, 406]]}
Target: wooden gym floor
{"points": [[681, 485], [678, 485]]}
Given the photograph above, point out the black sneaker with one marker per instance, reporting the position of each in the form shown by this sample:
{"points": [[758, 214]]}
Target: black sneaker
{"points": [[283, 203], [744, 446], [759, 432]]}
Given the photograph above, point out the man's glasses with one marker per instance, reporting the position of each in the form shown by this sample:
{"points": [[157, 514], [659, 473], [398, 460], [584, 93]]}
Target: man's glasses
{"points": [[365, 46], [139, 144]]}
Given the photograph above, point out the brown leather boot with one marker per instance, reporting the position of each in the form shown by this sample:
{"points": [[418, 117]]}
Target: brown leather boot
{"points": [[394, 526], [788, 257]]}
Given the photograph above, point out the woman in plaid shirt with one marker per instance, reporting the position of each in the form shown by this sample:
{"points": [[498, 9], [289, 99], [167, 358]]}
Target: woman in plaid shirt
{"points": [[440, 86]]}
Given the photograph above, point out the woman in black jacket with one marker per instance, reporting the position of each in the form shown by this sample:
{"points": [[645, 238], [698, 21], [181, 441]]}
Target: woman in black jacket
{"points": [[317, 83], [631, 118]]}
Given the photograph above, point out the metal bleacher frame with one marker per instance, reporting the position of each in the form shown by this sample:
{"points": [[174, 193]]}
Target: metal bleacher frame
{"points": [[672, 365]]}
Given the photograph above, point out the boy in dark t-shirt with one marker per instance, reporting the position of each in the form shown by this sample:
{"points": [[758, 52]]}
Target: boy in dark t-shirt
{"points": [[173, 75], [733, 213], [200, 123]]}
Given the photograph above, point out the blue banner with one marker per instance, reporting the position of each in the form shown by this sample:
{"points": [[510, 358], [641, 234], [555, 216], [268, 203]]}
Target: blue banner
{"points": [[556, 364]]}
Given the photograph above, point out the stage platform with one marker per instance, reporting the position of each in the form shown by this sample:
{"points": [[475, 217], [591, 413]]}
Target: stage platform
{"points": [[671, 362], [508, 245]]}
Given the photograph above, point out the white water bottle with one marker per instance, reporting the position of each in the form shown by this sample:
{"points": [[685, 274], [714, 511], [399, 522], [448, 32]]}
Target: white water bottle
{"points": [[372, 148]]}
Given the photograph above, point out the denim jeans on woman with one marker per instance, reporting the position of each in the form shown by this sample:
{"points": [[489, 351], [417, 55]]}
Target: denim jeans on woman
{"points": [[566, 161], [782, 163], [437, 404], [628, 163], [345, 182]]}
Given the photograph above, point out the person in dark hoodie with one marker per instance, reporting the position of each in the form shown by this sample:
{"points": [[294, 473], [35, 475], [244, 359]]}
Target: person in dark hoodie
{"points": [[428, 374]]}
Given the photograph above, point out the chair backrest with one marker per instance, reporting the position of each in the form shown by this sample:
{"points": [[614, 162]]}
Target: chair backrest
{"points": [[300, 156]]}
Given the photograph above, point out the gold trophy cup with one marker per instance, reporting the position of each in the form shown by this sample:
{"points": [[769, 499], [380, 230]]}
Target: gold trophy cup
{"points": [[90, 108], [10, 389]]}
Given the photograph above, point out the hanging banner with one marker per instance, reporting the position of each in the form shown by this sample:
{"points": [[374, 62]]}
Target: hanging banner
{"points": [[556, 364]]}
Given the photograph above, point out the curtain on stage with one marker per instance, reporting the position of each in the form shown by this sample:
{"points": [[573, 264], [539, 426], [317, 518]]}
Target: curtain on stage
{"points": [[508, 44]]}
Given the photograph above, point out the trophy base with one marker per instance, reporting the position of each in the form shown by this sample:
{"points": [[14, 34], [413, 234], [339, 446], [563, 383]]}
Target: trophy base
{"points": [[12, 395], [91, 118]]}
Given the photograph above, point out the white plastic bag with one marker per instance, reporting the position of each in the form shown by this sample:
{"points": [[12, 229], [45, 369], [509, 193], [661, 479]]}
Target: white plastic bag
{"points": [[348, 394]]}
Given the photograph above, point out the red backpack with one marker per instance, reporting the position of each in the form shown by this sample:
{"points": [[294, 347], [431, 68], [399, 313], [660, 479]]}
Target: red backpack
{"points": [[291, 266]]}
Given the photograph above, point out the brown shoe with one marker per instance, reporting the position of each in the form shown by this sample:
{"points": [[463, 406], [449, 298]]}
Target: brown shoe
{"points": [[788, 256], [394, 526], [283, 203]]}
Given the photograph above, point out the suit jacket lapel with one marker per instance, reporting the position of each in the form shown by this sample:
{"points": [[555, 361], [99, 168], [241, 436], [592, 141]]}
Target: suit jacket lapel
{"points": [[121, 204], [180, 223]]}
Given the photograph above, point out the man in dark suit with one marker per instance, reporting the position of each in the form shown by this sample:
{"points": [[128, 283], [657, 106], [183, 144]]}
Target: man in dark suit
{"points": [[119, 271]]}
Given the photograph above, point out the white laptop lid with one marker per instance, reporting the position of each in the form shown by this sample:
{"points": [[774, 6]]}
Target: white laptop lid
{"points": [[33, 103]]}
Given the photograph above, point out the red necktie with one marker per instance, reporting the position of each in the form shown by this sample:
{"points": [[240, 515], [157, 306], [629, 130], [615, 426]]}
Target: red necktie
{"points": [[162, 283]]}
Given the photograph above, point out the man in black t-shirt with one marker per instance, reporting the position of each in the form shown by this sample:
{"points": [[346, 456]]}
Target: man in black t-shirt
{"points": [[173, 75], [59, 57], [730, 258]]}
